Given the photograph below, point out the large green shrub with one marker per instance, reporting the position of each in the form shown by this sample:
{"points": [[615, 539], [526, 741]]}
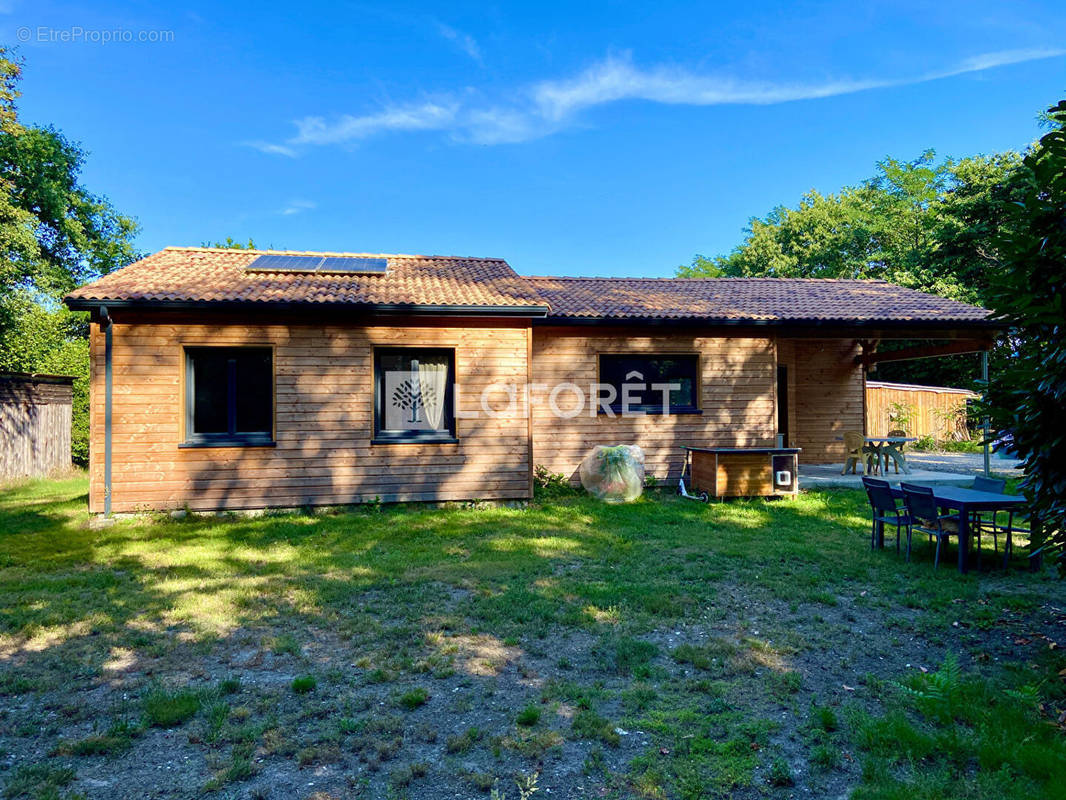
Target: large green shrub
{"points": [[1028, 397]]}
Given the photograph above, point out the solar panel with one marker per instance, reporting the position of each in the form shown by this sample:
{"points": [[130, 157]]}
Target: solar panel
{"points": [[353, 264], [272, 263], [348, 264]]}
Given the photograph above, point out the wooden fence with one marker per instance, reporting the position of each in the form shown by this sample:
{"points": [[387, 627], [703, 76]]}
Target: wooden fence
{"points": [[935, 411], [35, 415]]}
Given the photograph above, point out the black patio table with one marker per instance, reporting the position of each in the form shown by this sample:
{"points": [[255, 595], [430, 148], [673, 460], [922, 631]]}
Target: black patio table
{"points": [[966, 501]]}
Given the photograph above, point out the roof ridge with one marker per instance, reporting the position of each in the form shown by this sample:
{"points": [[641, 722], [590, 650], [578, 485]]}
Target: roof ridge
{"points": [[331, 253]]}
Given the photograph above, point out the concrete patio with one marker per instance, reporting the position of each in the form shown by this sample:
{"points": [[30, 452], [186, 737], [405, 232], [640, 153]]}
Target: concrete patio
{"points": [[927, 469]]}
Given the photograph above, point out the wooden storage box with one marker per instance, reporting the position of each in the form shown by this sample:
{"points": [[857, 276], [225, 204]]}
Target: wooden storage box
{"points": [[744, 471]]}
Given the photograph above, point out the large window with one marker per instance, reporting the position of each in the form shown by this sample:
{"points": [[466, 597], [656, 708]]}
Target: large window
{"points": [[229, 396], [645, 377], [414, 395]]}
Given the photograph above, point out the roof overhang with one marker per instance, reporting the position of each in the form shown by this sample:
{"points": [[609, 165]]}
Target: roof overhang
{"points": [[871, 358], [871, 329], [371, 309]]}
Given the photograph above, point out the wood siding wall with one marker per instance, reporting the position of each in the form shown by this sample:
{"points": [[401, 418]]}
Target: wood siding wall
{"points": [[934, 411], [828, 396], [324, 420], [324, 411], [737, 397], [35, 421]]}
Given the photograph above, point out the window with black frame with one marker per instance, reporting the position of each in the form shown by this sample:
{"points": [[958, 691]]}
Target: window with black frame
{"points": [[229, 396], [414, 392], [646, 375]]}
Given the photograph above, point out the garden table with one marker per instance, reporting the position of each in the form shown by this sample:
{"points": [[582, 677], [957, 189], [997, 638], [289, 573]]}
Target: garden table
{"points": [[884, 446], [965, 502]]}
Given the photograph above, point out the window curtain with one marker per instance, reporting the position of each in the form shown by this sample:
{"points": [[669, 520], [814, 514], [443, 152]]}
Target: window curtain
{"points": [[433, 379]]}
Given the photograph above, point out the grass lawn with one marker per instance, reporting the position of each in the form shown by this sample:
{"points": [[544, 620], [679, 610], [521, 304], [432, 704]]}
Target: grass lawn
{"points": [[665, 649]]}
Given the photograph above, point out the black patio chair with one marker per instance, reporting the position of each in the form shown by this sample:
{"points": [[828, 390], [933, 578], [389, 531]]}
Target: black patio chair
{"points": [[994, 485], [885, 511], [986, 519], [1009, 530], [999, 486], [925, 516]]}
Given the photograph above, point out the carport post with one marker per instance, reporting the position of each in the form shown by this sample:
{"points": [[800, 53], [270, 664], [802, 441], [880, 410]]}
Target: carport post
{"points": [[985, 424]]}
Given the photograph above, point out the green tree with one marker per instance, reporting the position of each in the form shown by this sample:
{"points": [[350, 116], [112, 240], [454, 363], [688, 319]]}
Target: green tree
{"points": [[924, 224], [18, 227], [79, 236], [54, 235], [232, 244], [917, 223], [1028, 291], [825, 236]]}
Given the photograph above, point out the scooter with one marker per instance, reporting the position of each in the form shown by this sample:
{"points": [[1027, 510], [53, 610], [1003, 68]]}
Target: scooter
{"points": [[683, 491]]}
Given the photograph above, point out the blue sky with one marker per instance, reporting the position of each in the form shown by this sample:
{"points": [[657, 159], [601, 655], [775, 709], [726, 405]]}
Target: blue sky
{"points": [[568, 138]]}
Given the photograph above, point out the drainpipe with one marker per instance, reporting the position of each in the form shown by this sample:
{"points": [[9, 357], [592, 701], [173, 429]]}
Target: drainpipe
{"points": [[108, 324], [985, 423]]}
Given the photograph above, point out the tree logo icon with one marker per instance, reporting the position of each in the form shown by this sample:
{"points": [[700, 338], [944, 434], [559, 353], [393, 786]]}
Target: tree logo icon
{"points": [[409, 397]]}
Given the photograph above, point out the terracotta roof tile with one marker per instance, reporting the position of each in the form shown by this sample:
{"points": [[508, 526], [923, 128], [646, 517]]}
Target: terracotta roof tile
{"points": [[211, 275], [753, 299], [208, 275]]}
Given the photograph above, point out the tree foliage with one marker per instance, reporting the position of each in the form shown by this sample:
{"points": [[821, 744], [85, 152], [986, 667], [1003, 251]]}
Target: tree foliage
{"points": [[1028, 291], [18, 227], [232, 244], [78, 235], [925, 224], [54, 235], [920, 223]]}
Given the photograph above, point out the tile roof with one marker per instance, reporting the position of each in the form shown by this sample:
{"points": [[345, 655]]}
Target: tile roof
{"points": [[213, 275], [203, 275], [748, 299]]}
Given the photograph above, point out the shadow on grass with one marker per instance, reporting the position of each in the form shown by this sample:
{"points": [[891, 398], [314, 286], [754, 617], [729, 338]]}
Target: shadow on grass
{"points": [[70, 594], [412, 590]]}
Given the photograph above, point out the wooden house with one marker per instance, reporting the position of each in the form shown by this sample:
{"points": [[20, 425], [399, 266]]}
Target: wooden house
{"points": [[226, 379]]}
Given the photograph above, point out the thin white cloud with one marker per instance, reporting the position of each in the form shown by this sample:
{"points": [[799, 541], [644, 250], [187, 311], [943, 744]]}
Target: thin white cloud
{"points": [[1000, 58], [421, 117], [549, 106], [616, 79], [298, 207], [270, 148], [500, 125], [464, 41]]}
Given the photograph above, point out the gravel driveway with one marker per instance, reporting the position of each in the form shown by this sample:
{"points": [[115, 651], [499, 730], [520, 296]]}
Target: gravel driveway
{"points": [[968, 463]]}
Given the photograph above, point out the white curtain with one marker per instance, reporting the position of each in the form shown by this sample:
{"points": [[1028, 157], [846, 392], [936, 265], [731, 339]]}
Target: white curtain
{"points": [[433, 379]]}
